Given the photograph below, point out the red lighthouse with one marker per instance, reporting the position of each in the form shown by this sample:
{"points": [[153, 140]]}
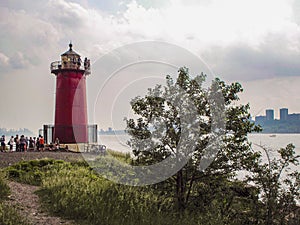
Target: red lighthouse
{"points": [[70, 103]]}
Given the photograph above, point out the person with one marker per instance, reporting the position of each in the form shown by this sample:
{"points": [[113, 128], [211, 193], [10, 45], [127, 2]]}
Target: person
{"points": [[26, 143], [34, 143], [78, 62], [17, 141], [37, 144], [51, 146], [22, 143], [3, 145], [74, 63], [11, 143], [31, 144], [42, 143], [57, 144], [85, 63]]}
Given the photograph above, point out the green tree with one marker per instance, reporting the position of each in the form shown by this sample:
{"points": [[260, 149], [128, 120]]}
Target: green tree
{"points": [[279, 185], [203, 128]]}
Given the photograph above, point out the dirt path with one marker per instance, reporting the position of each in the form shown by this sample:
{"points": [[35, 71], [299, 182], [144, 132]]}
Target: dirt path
{"points": [[24, 200]]}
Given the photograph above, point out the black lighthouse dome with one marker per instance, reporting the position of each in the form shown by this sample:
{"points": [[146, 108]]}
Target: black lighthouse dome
{"points": [[70, 51]]}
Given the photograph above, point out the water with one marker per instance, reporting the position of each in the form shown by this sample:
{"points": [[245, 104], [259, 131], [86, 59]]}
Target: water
{"points": [[276, 141]]}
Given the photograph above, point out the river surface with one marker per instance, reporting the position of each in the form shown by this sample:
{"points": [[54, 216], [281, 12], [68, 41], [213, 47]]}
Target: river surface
{"points": [[270, 141]]}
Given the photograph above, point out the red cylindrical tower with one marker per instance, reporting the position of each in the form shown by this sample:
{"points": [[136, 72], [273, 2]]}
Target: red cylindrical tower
{"points": [[70, 102]]}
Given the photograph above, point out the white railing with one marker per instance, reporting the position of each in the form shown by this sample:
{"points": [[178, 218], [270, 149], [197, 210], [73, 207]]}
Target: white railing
{"points": [[57, 65]]}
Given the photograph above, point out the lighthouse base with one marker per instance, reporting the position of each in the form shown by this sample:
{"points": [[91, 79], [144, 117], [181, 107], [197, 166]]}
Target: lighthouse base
{"points": [[71, 134]]}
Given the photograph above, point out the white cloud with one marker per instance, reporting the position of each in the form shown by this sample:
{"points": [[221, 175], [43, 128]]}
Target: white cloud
{"points": [[67, 14], [25, 37], [222, 22], [19, 61], [198, 27], [4, 60]]}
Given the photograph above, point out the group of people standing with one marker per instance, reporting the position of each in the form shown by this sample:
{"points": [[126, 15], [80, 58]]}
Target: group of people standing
{"points": [[23, 144]]}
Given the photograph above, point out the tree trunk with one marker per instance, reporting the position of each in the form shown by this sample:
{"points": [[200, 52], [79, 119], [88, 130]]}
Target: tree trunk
{"points": [[180, 191]]}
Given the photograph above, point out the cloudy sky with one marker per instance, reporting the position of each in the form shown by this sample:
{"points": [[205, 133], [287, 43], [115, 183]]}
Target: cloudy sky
{"points": [[255, 42]]}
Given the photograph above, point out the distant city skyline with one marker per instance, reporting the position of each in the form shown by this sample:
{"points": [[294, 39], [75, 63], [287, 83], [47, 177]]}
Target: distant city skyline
{"points": [[283, 115], [287, 122]]}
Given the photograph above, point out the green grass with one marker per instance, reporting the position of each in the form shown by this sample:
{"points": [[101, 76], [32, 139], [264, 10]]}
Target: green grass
{"points": [[31, 172], [75, 191], [78, 193], [81, 195], [122, 156]]}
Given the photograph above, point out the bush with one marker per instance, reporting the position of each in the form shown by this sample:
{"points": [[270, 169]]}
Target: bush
{"points": [[4, 188], [9, 216], [32, 172]]}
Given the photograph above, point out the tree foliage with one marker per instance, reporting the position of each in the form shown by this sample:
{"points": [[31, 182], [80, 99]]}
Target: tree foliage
{"points": [[279, 185], [185, 110]]}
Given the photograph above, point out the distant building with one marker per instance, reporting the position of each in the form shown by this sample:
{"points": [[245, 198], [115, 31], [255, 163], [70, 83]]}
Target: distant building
{"points": [[293, 117], [260, 120], [269, 114], [284, 112]]}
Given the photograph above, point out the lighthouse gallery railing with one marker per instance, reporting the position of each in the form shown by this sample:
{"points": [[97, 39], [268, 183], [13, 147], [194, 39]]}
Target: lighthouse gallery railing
{"points": [[57, 65]]}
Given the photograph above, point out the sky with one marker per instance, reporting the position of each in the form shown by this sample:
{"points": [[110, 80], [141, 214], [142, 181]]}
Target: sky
{"points": [[133, 44]]}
